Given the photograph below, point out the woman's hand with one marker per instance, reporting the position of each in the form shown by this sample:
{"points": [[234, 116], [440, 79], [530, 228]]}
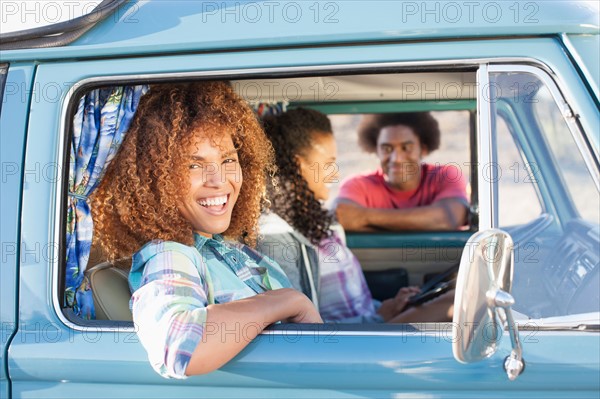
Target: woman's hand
{"points": [[297, 308], [307, 313], [258, 311], [392, 307]]}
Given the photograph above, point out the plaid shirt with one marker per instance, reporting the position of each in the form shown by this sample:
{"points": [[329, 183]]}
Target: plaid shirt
{"points": [[173, 283], [344, 296]]}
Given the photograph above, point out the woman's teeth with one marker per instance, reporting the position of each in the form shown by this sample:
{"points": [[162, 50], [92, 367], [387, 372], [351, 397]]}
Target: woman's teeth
{"points": [[214, 201]]}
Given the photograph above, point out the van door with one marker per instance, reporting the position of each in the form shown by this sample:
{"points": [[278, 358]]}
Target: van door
{"points": [[15, 89], [54, 355]]}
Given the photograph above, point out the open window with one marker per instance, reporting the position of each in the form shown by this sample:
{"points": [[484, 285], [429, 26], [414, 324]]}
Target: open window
{"points": [[525, 143], [450, 95]]}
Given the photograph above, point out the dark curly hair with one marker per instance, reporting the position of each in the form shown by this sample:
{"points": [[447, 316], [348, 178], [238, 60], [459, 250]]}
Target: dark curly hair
{"points": [[424, 125], [137, 199], [291, 134]]}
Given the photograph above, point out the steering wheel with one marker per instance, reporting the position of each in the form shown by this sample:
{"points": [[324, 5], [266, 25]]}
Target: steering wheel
{"points": [[527, 232], [445, 281], [435, 287]]}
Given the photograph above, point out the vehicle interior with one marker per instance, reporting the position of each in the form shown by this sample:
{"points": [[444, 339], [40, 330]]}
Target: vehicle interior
{"points": [[393, 259]]}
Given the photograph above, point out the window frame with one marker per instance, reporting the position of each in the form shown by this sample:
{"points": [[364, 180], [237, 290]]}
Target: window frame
{"points": [[570, 114], [484, 153], [554, 196], [3, 76]]}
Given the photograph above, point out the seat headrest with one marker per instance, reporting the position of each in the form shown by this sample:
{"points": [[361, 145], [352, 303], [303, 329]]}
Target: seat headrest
{"points": [[110, 290]]}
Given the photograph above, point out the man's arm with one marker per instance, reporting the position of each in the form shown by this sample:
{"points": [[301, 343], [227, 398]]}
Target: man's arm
{"points": [[445, 214]]}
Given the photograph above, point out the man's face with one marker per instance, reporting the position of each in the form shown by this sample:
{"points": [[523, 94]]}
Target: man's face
{"points": [[400, 153]]}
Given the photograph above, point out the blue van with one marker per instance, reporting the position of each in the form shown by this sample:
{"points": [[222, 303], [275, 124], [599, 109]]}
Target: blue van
{"points": [[517, 81]]}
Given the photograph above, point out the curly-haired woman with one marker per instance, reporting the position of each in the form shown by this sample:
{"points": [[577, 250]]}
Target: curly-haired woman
{"points": [[192, 167], [305, 154]]}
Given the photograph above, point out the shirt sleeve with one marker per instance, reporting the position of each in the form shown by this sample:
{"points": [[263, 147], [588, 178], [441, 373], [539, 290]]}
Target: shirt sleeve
{"points": [[354, 190], [169, 309], [451, 184], [344, 294]]}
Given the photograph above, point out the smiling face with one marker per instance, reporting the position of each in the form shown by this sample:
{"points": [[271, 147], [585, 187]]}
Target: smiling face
{"points": [[317, 165], [215, 180], [400, 153]]}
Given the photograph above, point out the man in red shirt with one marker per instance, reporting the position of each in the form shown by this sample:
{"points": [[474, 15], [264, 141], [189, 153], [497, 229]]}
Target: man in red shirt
{"points": [[405, 193]]}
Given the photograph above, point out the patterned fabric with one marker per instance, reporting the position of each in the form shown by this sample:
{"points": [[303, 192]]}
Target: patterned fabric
{"points": [[343, 294], [102, 118], [173, 283], [269, 109]]}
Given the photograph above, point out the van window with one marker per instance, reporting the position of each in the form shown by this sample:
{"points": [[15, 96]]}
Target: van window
{"points": [[3, 73], [454, 147], [345, 99], [568, 158], [555, 251], [517, 197]]}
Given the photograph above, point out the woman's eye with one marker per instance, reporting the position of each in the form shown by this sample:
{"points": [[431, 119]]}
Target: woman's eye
{"points": [[230, 160], [195, 166]]}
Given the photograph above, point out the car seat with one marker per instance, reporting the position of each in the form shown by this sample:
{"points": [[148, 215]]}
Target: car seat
{"points": [[110, 288]]}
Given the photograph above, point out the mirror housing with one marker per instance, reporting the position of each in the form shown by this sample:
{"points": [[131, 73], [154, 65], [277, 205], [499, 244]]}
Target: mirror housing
{"points": [[482, 302]]}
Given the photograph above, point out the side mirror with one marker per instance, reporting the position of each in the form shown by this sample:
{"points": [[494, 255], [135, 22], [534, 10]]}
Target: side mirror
{"points": [[482, 301]]}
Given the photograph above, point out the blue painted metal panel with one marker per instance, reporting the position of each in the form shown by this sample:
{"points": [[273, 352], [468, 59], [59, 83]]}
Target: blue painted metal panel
{"points": [[360, 107], [49, 359], [13, 128], [159, 27], [586, 47], [331, 364], [453, 239]]}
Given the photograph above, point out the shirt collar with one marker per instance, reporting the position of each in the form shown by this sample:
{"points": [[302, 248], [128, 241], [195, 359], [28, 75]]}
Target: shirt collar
{"points": [[200, 240]]}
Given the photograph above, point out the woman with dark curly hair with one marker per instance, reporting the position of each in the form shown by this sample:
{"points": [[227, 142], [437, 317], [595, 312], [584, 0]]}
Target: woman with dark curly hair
{"points": [[405, 193], [192, 167], [305, 154]]}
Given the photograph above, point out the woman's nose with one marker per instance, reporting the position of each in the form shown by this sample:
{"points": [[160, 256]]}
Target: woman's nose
{"points": [[213, 175]]}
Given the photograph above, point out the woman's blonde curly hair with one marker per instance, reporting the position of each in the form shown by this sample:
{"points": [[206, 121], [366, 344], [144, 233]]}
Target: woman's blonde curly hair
{"points": [[136, 202]]}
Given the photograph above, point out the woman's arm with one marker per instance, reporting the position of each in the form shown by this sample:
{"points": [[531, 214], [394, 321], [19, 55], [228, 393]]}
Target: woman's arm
{"points": [[181, 331], [231, 326]]}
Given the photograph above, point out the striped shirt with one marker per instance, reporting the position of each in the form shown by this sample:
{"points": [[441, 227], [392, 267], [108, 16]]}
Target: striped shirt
{"points": [[173, 283]]}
